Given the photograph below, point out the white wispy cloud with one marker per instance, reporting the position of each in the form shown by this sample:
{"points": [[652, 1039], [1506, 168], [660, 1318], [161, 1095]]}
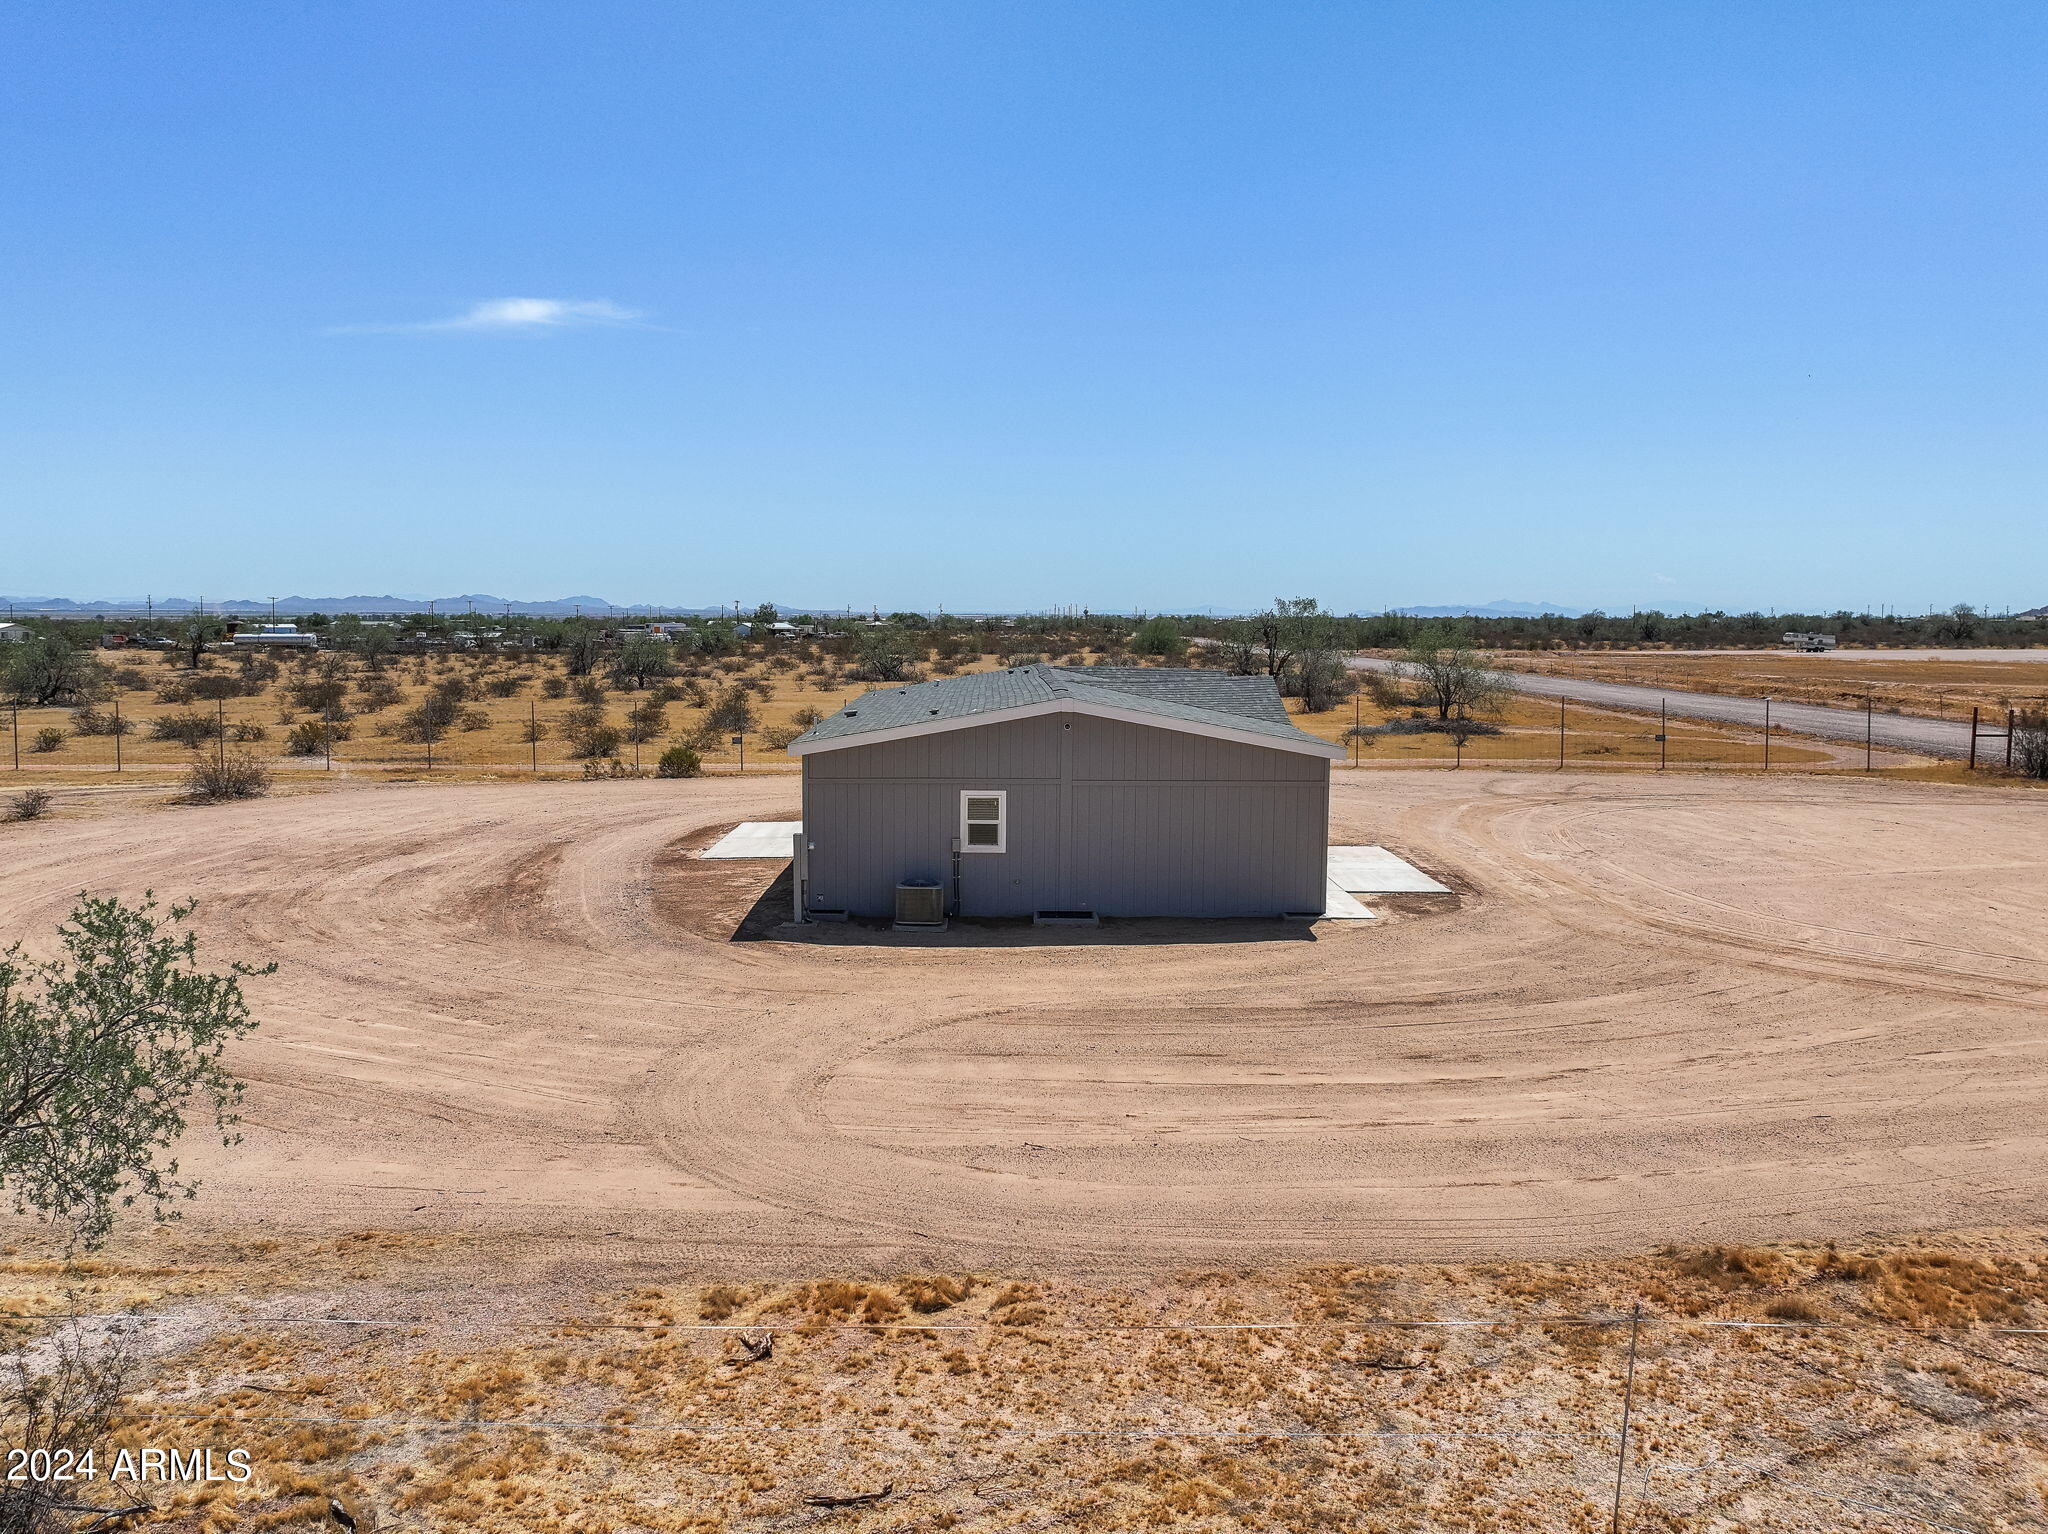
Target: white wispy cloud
{"points": [[512, 315]]}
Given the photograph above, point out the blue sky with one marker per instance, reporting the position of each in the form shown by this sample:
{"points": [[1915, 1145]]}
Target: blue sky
{"points": [[1130, 305]]}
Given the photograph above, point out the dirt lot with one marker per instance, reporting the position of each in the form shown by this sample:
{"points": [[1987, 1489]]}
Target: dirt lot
{"points": [[1167, 1226], [1658, 1010]]}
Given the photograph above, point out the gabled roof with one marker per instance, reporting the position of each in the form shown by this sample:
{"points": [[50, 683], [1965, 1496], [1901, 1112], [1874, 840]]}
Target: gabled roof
{"points": [[1246, 709]]}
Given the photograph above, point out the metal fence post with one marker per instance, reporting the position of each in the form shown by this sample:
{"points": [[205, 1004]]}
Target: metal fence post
{"points": [[1628, 1393]]}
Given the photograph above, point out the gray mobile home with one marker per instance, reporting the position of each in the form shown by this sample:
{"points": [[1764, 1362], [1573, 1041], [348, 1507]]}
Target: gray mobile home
{"points": [[1109, 790]]}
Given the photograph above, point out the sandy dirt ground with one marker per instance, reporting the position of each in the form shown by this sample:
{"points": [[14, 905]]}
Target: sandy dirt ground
{"points": [[1687, 1008]]}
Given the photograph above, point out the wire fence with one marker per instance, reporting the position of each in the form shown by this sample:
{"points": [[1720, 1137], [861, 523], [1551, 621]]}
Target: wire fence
{"points": [[1629, 1465]]}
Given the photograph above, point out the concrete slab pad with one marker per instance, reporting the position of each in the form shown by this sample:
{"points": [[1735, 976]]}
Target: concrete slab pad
{"points": [[1341, 907], [1376, 871], [755, 839]]}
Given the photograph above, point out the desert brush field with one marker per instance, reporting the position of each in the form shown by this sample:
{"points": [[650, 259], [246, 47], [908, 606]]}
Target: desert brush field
{"points": [[311, 716]]}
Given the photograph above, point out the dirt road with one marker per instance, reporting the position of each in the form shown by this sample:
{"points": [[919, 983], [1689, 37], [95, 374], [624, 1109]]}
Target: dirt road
{"points": [[1899, 732], [1671, 1009]]}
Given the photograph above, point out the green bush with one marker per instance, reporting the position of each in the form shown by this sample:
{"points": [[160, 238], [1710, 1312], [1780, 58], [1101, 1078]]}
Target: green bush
{"points": [[679, 762]]}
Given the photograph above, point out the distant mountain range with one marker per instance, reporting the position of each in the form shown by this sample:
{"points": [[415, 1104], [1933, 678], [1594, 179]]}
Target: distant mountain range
{"points": [[564, 607], [480, 602], [1502, 609]]}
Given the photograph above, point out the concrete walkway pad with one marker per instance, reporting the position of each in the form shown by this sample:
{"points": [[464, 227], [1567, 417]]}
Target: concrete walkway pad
{"points": [[1340, 906], [1376, 871], [755, 839]]}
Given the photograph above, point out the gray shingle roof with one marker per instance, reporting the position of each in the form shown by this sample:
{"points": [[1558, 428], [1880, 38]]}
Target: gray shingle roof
{"points": [[1246, 703]]}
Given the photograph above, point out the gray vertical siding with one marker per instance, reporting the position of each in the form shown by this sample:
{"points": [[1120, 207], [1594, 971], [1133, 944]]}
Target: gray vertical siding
{"points": [[1122, 819]]}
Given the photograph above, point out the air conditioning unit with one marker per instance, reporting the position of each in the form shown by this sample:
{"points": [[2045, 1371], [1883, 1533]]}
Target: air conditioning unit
{"points": [[920, 903]]}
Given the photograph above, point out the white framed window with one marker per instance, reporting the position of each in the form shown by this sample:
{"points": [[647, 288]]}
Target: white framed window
{"points": [[984, 819]]}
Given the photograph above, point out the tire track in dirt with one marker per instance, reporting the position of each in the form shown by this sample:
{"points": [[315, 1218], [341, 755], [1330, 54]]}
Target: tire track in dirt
{"points": [[1617, 1035]]}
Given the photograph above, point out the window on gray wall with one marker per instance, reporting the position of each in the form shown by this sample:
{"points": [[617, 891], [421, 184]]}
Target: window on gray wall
{"points": [[984, 819]]}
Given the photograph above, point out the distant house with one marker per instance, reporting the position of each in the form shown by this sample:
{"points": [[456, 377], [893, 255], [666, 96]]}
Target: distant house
{"points": [[13, 633], [1812, 644], [1109, 791]]}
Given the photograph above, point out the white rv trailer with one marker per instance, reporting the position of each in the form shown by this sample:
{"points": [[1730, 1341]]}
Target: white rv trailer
{"points": [[274, 636]]}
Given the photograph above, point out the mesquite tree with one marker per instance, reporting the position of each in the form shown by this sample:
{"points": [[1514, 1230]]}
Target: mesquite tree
{"points": [[102, 1052]]}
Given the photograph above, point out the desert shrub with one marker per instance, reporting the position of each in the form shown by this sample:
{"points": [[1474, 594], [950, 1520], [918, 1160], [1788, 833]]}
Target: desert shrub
{"points": [[679, 762], [128, 678], [473, 719], [91, 721], [377, 693], [595, 740], [1159, 636], [45, 668], [504, 686], [29, 804], [805, 717], [247, 730], [1942, 1288], [553, 687], [2030, 745], [1418, 726], [609, 767], [829, 1300], [1795, 1307], [185, 729], [49, 738], [647, 721], [641, 659], [722, 1301], [310, 737], [1737, 1267], [926, 1293], [776, 736], [1321, 680], [733, 713], [318, 695], [532, 731], [217, 779], [429, 719], [1384, 689], [258, 670], [215, 687]]}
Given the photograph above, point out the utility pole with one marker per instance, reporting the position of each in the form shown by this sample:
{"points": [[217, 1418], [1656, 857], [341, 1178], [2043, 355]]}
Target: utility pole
{"points": [[1869, 703], [1663, 733], [533, 737], [16, 737], [117, 734], [1767, 734], [1561, 702]]}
